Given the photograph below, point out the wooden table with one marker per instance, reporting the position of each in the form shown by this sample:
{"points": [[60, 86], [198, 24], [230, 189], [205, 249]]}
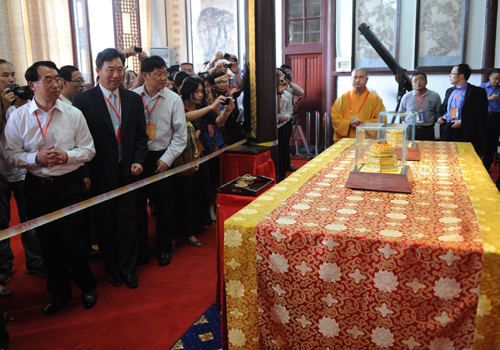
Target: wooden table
{"points": [[314, 263]]}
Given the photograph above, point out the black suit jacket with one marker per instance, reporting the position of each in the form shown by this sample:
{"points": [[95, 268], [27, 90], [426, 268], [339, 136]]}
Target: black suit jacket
{"points": [[104, 168], [474, 114]]}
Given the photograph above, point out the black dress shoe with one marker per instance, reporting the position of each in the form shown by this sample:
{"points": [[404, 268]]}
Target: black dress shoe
{"points": [[291, 168], [5, 275], [131, 281], [164, 259], [195, 243], [53, 307], [37, 270], [89, 299], [115, 280]]}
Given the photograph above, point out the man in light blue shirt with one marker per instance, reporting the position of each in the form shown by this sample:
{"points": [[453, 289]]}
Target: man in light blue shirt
{"points": [[490, 143]]}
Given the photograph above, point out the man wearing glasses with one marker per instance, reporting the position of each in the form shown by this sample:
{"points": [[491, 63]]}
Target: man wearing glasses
{"points": [[52, 141], [72, 83], [464, 109]]}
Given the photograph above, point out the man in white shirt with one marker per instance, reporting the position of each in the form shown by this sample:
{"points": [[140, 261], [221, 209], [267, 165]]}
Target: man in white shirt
{"points": [[52, 141], [15, 177], [72, 83], [166, 128], [285, 111]]}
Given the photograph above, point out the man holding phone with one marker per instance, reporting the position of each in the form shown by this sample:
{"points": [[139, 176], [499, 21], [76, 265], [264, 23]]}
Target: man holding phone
{"points": [[490, 143]]}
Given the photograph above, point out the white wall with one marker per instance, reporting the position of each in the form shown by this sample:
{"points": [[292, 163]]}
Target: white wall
{"points": [[279, 32]]}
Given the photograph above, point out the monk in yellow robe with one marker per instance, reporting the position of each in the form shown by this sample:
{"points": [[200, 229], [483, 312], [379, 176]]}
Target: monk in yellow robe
{"points": [[355, 107]]}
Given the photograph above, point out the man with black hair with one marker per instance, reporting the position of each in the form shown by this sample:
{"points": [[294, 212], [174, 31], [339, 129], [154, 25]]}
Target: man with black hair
{"points": [[14, 186], [116, 120], [52, 141], [490, 143], [167, 131], [187, 67], [72, 83], [424, 101], [464, 109], [292, 88]]}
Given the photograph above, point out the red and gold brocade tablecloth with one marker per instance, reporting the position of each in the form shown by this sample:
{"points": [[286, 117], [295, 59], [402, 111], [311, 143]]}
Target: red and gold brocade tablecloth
{"points": [[314, 265]]}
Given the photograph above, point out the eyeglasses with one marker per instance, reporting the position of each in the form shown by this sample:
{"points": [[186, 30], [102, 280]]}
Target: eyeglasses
{"points": [[78, 81], [49, 81], [159, 75]]}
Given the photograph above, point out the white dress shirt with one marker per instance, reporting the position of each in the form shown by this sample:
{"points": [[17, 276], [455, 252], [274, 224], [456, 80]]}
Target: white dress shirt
{"points": [[65, 99], [12, 174], [170, 121], [68, 131], [286, 107]]}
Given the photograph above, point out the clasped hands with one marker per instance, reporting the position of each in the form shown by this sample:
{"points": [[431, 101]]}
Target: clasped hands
{"points": [[47, 157]]}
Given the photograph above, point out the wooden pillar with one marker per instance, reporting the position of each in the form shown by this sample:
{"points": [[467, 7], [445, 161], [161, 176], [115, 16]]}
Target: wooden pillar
{"points": [[490, 31], [260, 73]]}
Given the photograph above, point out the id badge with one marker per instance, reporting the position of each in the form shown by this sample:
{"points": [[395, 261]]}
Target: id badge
{"points": [[118, 131], [151, 131], [421, 117], [355, 117], [454, 113], [211, 130]]}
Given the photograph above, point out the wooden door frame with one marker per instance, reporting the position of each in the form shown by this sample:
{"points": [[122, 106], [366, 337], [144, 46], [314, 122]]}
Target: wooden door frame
{"points": [[327, 48]]}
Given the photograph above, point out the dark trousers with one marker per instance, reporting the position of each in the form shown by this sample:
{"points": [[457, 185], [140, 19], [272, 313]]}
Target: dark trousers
{"points": [[490, 142], [184, 205], [116, 231], [60, 240], [425, 133], [284, 134], [32, 251], [164, 193], [447, 133]]}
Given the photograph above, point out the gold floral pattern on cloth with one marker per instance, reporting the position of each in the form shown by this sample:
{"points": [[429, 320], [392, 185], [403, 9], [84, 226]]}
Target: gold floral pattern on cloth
{"points": [[384, 266], [240, 251], [486, 201]]}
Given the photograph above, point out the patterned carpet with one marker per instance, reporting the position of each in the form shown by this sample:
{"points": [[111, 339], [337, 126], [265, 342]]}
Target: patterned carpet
{"points": [[204, 334]]}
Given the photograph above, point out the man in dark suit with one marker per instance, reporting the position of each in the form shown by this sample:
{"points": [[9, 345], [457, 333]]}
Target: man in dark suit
{"points": [[464, 109], [116, 120]]}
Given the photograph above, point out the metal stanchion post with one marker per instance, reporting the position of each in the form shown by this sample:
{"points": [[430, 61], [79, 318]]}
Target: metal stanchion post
{"points": [[317, 133], [308, 129], [326, 124]]}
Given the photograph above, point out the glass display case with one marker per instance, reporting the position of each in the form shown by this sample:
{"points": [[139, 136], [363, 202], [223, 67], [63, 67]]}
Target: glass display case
{"points": [[409, 118], [377, 165]]}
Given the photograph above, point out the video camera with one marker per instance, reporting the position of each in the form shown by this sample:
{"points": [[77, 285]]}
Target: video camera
{"points": [[23, 92]]}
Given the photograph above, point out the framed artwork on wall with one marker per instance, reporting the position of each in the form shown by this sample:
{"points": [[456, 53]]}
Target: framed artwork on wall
{"points": [[441, 32], [383, 17], [214, 27]]}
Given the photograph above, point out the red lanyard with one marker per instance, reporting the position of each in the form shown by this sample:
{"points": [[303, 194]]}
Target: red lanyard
{"points": [[146, 107], [119, 106], [460, 94], [421, 103], [360, 108], [46, 127]]}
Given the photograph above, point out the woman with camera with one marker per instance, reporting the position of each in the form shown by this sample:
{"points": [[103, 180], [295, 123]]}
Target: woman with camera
{"points": [[193, 207]]}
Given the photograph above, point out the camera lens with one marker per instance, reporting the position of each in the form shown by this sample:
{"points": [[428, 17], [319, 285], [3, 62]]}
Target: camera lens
{"points": [[227, 56]]}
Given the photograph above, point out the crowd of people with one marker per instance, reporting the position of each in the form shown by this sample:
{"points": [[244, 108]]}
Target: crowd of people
{"points": [[468, 113], [62, 143]]}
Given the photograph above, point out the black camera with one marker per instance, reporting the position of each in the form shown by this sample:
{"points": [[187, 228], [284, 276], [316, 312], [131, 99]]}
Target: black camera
{"points": [[227, 65], [137, 49], [23, 92], [203, 75], [227, 56], [227, 101]]}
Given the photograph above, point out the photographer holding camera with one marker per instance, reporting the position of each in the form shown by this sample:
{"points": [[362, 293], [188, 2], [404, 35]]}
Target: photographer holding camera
{"points": [[13, 97]]}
